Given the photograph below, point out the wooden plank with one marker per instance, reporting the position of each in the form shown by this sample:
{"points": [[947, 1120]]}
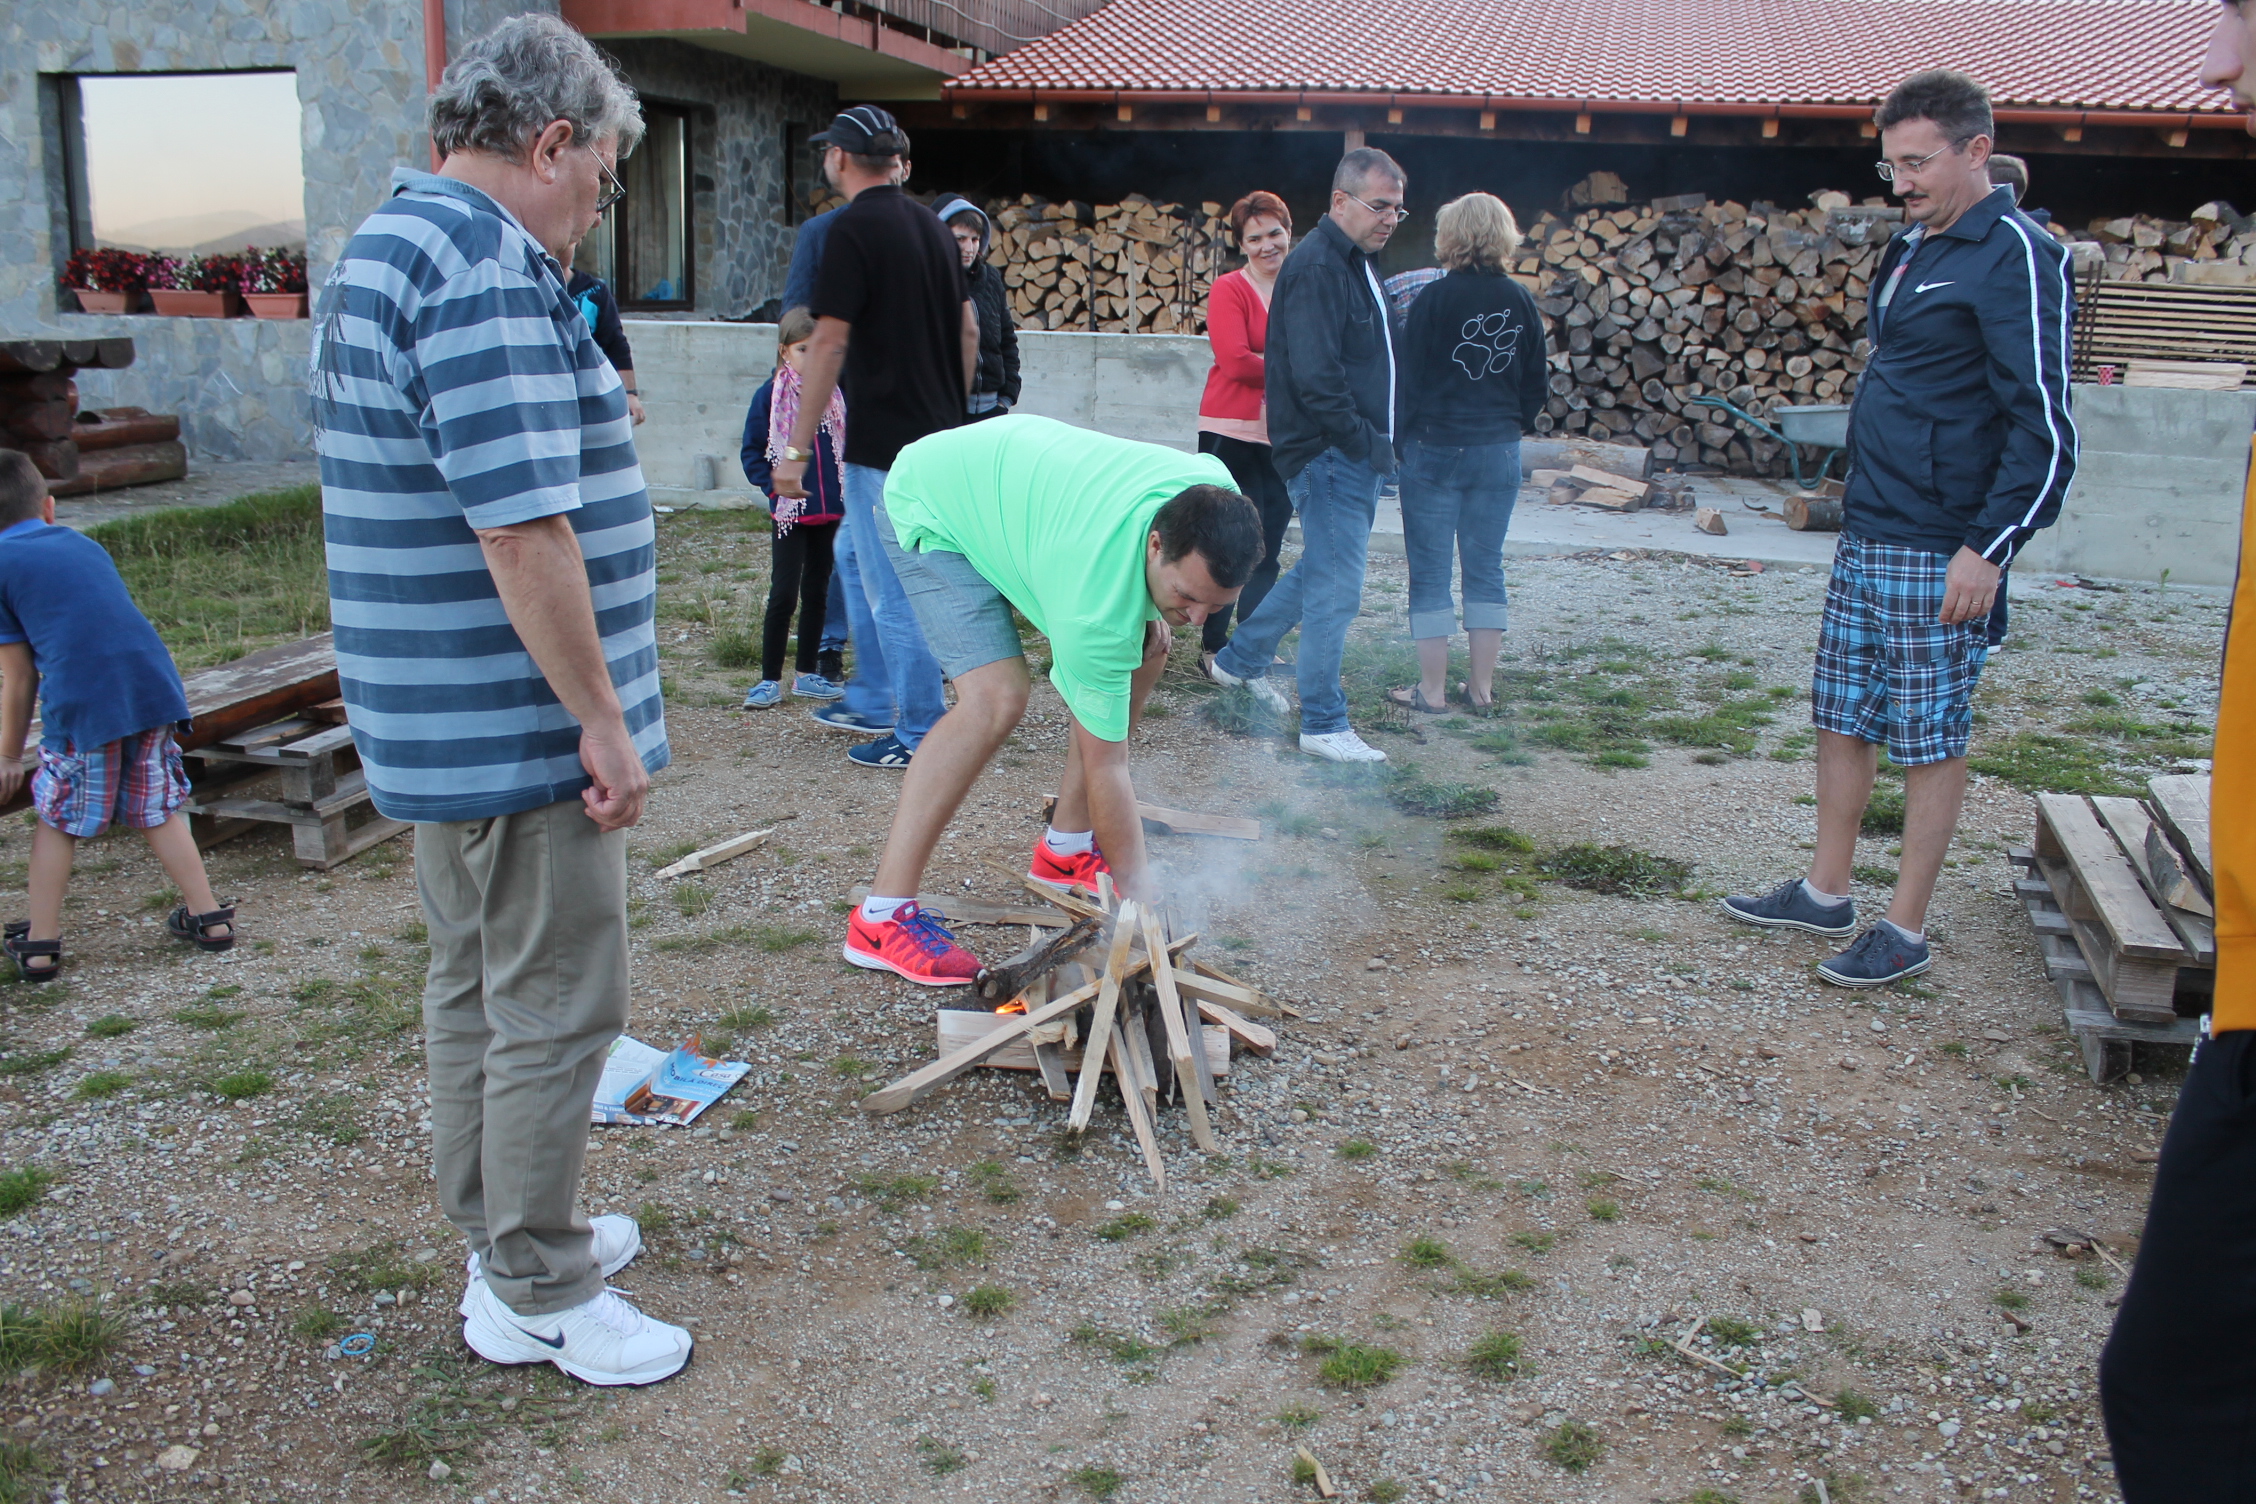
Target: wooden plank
{"points": [[2181, 803], [1101, 1026], [2117, 899], [2139, 987], [2172, 875], [1253, 1036], [1135, 1027], [719, 852], [957, 1027], [1178, 1036], [1133, 1101], [2105, 1025], [918, 1084], [969, 911], [1206, 989], [323, 743], [2128, 821], [1049, 1056]]}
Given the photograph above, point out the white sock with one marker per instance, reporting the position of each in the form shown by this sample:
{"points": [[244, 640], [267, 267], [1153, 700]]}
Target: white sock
{"points": [[1916, 937], [1824, 900], [1069, 842], [878, 910]]}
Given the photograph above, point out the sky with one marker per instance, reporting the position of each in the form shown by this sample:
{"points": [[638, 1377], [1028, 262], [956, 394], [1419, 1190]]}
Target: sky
{"points": [[192, 146]]}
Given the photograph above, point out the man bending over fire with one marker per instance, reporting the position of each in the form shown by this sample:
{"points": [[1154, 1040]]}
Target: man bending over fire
{"points": [[1105, 545]]}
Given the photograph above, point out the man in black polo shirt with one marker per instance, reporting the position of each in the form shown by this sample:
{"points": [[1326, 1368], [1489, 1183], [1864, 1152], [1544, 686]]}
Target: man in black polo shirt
{"points": [[895, 325]]}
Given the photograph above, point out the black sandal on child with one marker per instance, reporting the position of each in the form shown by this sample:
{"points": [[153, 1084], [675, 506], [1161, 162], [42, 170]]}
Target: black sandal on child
{"points": [[192, 928], [23, 950]]}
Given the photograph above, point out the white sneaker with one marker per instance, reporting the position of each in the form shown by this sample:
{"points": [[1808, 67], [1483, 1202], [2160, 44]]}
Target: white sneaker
{"points": [[601, 1341], [1340, 746], [1264, 688], [617, 1241]]}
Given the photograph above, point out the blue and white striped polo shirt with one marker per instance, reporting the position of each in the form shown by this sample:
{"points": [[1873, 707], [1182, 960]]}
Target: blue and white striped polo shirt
{"points": [[457, 387]]}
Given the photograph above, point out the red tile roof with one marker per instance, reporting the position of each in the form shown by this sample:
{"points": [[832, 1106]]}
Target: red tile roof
{"points": [[1707, 55]]}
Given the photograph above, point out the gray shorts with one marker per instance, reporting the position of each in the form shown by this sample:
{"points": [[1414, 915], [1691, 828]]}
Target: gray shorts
{"points": [[966, 621]]}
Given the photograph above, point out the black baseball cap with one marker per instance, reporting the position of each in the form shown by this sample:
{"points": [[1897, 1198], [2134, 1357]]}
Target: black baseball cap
{"points": [[866, 131]]}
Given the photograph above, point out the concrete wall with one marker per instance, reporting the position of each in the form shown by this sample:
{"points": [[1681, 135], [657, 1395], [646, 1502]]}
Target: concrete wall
{"points": [[2158, 487], [359, 63]]}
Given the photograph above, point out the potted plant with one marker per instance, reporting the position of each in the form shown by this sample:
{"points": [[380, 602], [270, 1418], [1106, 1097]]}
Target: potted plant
{"points": [[105, 280], [274, 282], [200, 287]]}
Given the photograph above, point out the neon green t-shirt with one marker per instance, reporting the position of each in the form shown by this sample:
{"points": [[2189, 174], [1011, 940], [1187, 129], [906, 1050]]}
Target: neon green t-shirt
{"points": [[1055, 517]]}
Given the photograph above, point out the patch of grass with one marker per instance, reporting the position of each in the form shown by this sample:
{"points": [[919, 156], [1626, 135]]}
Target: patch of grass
{"points": [[1118, 1346], [23, 1472], [1124, 1227], [995, 1183], [23, 1187], [1303, 1470], [985, 1302], [1954, 1047], [1239, 713], [692, 899], [1602, 1210], [851, 1067], [1878, 877], [1188, 1326], [947, 1248], [387, 1266], [1491, 1286], [1719, 1186], [1409, 791], [2091, 1277], [2036, 763], [1352, 1365], [1883, 813], [242, 1085], [771, 938], [111, 1026], [1297, 1417], [1494, 838], [96, 1085], [1495, 1356], [331, 1119], [1387, 1491], [1620, 870], [212, 1019], [1853, 1407], [15, 1062], [1730, 1331], [1536, 1242], [759, 1016], [735, 648], [891, 1191], [1219, 1207], [1355, 1149], [1099, 1482], [2009, 1299], [62, 1339], [1427, 1253], [1574, 1446], [220, 582], [315, 1323]]}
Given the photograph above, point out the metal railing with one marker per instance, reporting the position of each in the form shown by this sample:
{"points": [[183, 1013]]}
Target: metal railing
{"points": [[993, 26]]}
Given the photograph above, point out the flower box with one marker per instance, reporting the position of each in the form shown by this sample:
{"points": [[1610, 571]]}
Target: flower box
{"points": [[175, 303], [90, 301], [276, 305]]}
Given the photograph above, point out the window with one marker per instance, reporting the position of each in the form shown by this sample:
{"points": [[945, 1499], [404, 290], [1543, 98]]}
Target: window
{"points": [[182, 162], [649, 234]]}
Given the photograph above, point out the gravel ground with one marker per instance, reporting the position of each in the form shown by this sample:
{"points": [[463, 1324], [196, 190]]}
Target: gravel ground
{"points": [[1509, 1109]]}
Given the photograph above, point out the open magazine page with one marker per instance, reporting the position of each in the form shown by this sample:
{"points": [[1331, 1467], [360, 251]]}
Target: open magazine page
{"points": [[642, 1085]]}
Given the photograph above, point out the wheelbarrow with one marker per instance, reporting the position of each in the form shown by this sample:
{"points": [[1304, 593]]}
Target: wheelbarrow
{"points": [[1822, 425]]}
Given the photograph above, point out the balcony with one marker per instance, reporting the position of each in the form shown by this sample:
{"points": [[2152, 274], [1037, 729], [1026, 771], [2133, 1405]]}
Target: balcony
{"points": [[892, 49]]}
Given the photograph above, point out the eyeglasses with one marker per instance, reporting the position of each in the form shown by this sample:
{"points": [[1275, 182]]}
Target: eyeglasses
{"points": [[614, 191], [1889, 171], [1396, 212]]}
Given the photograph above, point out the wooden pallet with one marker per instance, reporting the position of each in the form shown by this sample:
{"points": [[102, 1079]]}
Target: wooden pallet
{"points": [[322, 787], [2104, 1038], [2136, 954]]}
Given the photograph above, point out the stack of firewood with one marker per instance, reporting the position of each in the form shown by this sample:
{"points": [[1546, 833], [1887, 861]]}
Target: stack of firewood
{"points": [[1134, 267], [81, 451], [2216, 246]]}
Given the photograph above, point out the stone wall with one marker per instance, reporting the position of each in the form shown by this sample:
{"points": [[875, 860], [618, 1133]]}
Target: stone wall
{"points": [[738, 113], [236, 385]]}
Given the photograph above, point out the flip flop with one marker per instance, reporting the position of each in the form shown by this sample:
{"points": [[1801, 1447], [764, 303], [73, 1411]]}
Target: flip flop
{"points": [[1410, 698]]}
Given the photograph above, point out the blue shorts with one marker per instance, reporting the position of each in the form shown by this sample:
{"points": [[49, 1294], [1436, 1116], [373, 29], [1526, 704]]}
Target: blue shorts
{"points": [[966, 621], [137, 781], [1887, 670]]}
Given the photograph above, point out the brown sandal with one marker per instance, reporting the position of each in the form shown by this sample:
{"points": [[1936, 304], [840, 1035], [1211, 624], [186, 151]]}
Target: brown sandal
{"points": [[1411, 697]]}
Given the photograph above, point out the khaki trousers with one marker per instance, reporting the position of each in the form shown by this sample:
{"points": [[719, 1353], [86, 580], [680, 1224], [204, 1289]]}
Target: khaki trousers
{"points": [[527, 990]]}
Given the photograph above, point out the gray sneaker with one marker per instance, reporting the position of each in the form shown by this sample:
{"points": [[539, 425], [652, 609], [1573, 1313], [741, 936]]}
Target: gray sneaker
{"points": [[1880, 956], [1789, 907]]}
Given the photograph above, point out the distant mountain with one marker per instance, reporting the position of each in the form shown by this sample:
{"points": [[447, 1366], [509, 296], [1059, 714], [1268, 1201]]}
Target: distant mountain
{"points": [[200, 234]]}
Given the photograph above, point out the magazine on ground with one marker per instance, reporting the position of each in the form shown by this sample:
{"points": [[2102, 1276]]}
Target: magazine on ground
{"points": [[642, 1085]]}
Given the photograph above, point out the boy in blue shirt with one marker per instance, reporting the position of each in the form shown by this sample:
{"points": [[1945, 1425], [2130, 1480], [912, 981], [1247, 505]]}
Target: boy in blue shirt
{"points": [[106, 749]]}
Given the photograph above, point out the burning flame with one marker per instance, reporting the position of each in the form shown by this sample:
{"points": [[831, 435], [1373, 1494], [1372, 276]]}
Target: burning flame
{"points": [[1015, 1005]]}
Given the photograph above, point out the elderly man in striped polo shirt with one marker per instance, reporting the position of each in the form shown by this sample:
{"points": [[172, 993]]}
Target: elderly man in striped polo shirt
{"points": [[492, 577]]}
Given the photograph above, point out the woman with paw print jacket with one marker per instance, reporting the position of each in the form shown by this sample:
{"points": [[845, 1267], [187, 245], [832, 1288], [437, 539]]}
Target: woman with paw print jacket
{"points": [[1471, 381]]}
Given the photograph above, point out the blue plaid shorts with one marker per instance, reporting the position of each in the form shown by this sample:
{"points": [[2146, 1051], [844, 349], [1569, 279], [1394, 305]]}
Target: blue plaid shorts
{"points": [[1887, 670]]}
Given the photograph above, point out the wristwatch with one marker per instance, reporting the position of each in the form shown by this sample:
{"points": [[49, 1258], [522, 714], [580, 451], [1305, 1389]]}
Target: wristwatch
{"points": [[796, 456]]}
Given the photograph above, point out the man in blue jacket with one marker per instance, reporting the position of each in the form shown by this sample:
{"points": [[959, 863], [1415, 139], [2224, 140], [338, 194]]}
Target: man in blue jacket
{"points": [[1961, 447], [1330, 374]]}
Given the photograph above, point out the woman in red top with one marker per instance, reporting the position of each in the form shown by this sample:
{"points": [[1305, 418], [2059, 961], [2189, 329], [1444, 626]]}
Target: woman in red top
{"points": [[1233, 422]]}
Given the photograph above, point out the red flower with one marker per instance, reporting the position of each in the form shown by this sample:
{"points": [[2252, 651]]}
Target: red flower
{"points": [[108, 270]]}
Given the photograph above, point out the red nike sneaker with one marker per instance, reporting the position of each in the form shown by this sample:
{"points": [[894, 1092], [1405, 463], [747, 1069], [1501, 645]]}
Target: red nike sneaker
{"points": [[912, 944], [1078, 870]]}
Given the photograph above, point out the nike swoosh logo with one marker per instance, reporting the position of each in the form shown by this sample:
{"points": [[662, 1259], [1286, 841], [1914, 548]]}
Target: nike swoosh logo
{"points": [[556, 1341], [1922, 287]]}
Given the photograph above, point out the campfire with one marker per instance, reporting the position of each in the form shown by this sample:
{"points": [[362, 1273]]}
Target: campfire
{"points": [[1112, 992]]}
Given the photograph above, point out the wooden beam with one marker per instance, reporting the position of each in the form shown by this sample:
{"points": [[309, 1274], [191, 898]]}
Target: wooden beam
{"points": [[1108, 1006], [918, 1084], [1178, 1036], [1133, 1100], [715, 854], [970, 911]]}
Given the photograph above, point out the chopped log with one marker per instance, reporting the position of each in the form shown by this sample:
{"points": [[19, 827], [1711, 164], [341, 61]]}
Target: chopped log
{"points": [[1813, 514], [128, 465], [1608, 481], [1007, 979], [1566, 453], [719, 852], [124, 425], [1709, 520], [1612, 501], [40, 420], [57, 459]]}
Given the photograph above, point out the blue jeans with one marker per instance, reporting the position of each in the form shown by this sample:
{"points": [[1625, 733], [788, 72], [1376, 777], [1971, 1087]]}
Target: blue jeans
{"points": [[918, 699], [1336, 499], [834, 613], [1457, 499], [869, 690]]}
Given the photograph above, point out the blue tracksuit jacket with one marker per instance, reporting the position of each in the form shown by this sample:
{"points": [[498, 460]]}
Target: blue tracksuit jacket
{"points": [[1960, 434]]}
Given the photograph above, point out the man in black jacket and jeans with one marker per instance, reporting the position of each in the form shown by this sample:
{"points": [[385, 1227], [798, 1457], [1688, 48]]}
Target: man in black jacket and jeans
{"points": [[1330, 388], [1960, 447]]}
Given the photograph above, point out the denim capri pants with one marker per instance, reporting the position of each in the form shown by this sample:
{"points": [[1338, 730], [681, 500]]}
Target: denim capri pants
{"points": [[1457, 500]]}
